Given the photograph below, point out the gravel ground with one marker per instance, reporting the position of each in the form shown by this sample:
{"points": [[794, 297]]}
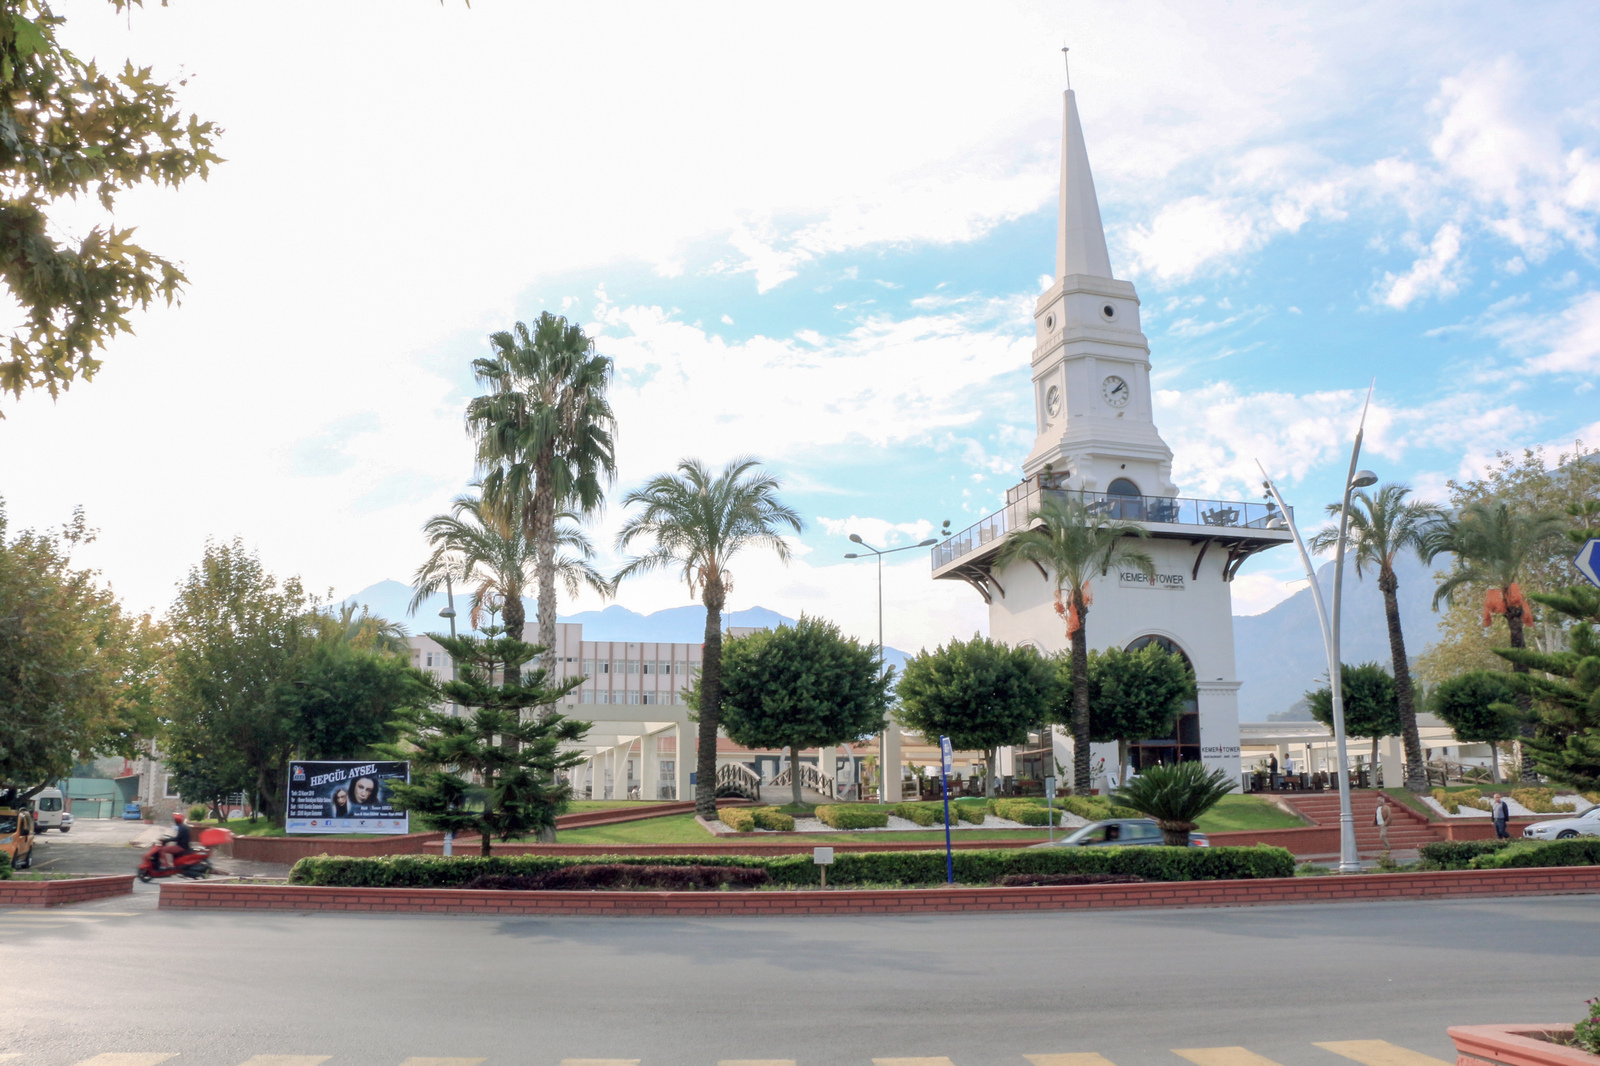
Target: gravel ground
{"points": [[900, 825]]}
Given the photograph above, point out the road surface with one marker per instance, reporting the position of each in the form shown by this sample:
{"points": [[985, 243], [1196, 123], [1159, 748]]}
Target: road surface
{"points": [[122, 979]]}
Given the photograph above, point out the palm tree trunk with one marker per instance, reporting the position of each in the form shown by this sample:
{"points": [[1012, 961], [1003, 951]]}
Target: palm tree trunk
{"points": [[1416, 779], [1080, 697], [794, 777], [544, 556], [1530, 773], [705, 786], [515, 616]]}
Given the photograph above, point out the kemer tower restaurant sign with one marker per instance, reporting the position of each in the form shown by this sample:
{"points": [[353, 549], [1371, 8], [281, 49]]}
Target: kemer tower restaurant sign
{"points": [[1097, 442]]}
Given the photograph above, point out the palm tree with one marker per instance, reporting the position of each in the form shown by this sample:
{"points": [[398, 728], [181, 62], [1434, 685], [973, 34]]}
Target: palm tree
{"points": [[476, 546], [544, 436], [1383, 524], [1072, 544], [1175, 795], [697, 522], [1493, 544]]}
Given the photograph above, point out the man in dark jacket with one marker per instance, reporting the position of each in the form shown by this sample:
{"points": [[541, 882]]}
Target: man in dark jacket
{"points": [[1502, 814]]}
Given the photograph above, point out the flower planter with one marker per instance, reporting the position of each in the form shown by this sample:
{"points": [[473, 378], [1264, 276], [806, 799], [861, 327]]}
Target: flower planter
{"points": [[1530, 1044]]}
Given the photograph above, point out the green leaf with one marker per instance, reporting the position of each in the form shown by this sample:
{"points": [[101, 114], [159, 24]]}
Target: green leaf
{"points": [[30, 38]]}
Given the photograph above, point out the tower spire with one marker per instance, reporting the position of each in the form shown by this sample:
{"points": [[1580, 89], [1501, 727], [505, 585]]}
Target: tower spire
{"points": [[1080, 237]]}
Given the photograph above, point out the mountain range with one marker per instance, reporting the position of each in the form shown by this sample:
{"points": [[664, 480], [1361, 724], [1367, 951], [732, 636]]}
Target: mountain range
{"points": [[1278, 652]]}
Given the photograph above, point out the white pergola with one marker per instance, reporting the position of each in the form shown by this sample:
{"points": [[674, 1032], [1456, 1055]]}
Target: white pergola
{"points": [[608, 746]]}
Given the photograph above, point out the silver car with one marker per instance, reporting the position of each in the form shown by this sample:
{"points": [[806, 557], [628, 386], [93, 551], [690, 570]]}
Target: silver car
{"points": [[1582, 824], [1119, 833]]}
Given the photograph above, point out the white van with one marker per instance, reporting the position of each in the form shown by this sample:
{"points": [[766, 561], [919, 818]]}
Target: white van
{"points": [[48, 809]]}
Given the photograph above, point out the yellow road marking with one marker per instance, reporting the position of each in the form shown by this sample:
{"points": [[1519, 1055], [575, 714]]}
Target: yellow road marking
{"points": [[941, 1061], [755, 1062], [124, 1059], [1078, 1058], [1223, 1056], [1380, 1053], [436, 1062], [287, 1060], [597, 1062]]}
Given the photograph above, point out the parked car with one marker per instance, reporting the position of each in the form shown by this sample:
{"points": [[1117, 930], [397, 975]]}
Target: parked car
{"points": [[66, 821], [1119, 833], [48, 807], [1582, 824], [131, 813], [16, 837]]}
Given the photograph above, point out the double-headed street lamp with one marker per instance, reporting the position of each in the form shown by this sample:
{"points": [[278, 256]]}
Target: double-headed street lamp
{"points": [[885, 742], [1349, 860]]}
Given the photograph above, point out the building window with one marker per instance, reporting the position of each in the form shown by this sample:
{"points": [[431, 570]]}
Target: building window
{"points": [[633, 697], [647, 697], [588, 668], [648, 667], [633, 666], [169, 789], [605, 666], [683, 668]]}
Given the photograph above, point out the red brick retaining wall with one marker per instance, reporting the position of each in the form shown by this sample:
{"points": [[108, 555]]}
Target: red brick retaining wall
{"points": [[1448, 884], [292, 849], [67, 890]]}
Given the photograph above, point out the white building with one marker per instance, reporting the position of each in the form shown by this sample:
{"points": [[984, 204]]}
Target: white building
{"points": [[1097, 439]]}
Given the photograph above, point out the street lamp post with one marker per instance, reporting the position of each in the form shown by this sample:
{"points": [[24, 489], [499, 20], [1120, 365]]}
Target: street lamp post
{"points": [[1349, 860], [884, 741]]}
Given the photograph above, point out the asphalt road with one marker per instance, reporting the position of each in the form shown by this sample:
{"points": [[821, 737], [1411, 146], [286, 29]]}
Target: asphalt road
{"points": [[105, 846], [216, 989]]}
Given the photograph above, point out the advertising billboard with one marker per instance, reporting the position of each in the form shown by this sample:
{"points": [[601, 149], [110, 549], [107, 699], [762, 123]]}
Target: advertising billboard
{"points": [[346, 796]]}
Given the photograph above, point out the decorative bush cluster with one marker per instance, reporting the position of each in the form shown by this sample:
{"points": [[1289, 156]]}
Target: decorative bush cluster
{"points": [[746, 819], [976, 867], [1026, 811], [1467, 797], [1096, 808], [926, 813], [1456, 854], [1579, 851], [852, 816], [1540, 800], [616, 876]]}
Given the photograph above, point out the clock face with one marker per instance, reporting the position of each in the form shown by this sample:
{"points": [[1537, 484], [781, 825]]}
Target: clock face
{"points": [[1052, 401], [1116, 391]]}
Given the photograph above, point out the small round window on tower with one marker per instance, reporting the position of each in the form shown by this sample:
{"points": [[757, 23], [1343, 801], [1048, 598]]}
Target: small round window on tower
{"points": [[1049, 321], [1109, 311]]}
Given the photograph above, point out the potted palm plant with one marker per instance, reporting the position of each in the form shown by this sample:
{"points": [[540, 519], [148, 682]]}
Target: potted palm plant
{"points": [[1175, 796]]}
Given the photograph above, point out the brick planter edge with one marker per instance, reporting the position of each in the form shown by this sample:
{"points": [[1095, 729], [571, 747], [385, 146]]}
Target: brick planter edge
{"points": [[1447, 884], [66, 890], [1515, 1045]]}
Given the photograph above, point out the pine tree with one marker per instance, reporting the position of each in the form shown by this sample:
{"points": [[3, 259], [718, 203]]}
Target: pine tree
{"points": [[493, 750]]}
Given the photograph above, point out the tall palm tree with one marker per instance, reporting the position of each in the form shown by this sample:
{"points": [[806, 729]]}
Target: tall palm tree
{"points": [[1493, 544], [1072, 544], [544, 437], [1383, 524], [492, 557], [696, 522]]}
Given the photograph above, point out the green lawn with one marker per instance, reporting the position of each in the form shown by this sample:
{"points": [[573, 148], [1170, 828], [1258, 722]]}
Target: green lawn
{"points": [[673, 829], [605, 805], [1233, 813]]}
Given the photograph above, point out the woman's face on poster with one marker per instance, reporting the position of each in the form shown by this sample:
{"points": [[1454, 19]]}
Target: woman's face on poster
{"points": [[341, 798], [363, 789]]}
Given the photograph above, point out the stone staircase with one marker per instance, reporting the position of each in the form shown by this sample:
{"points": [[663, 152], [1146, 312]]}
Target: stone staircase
{"points": [[1407, 831]]}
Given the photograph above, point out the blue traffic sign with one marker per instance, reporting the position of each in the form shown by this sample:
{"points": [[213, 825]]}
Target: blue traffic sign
{"points": [[947, 755], [1588, 560]]}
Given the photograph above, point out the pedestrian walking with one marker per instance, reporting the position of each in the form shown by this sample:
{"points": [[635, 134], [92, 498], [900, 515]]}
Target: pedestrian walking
{"points": [[1502, 814], [1383, 816]]}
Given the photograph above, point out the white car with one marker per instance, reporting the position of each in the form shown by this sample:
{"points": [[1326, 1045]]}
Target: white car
{"points": [[1583, 824]]}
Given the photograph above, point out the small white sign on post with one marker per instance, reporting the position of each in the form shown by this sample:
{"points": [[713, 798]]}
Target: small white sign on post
{"points": [[946, 754], [822, 857]]}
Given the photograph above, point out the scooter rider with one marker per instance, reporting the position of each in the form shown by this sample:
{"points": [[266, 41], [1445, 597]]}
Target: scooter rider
{"points": [[178, 843]]}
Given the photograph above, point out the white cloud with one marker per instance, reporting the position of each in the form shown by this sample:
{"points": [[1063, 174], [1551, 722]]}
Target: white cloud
{"points": [[1436, 273], [1566, 343], [878, 532]]}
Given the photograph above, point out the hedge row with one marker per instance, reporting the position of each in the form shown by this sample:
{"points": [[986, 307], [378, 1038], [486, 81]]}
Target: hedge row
{"points": [[1578, 851], [852, 816], [1096, 808], [1506, 854], [876, 868], [618, 876], [1026, 811]]}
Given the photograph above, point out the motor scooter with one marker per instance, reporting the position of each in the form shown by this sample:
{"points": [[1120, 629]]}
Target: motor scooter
{"points": [[195, 864]]}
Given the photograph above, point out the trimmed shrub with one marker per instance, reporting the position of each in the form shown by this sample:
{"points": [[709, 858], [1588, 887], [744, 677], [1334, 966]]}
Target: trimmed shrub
{"points": [[878, 868], [1026, 811], [1579, 851], [773, 819], [1592, 797], [618, 876], [969, 812], [739, 819], [1540, 800], [1095, 808], [852, 816], [1031, 880], [197, 813], [1457, 854], [930, 813], [1466, 797]]}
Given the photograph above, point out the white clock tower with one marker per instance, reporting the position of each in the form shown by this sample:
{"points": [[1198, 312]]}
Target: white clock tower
{"points": [[1091, 365], [1097, 444]]}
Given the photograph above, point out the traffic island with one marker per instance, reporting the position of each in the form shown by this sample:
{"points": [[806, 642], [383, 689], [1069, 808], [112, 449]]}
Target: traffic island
{"points": [[61, 890], [1528, 1044], [1448, 884]]}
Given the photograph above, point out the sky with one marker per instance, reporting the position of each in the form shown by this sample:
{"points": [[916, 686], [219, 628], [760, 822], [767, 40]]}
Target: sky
{"points": [[816, 236]]}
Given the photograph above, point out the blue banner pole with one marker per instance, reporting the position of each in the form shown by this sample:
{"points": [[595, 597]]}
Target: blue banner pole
{"points": [[944, 778]]}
